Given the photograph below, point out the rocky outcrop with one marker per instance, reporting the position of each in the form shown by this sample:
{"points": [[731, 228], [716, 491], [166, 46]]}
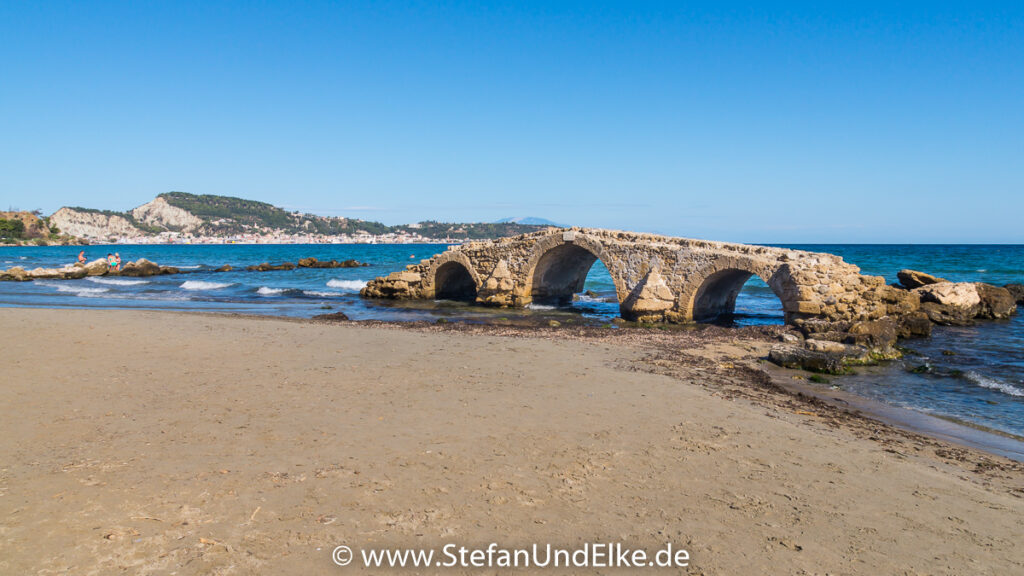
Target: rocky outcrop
{"points": [[143, 267], [818, 356], [1017, 291], [911, 279], [92, 225], [996, 303], [314, 263], [163, 215], [15, 274], [34, 225], [404, 285], [268, 267]]}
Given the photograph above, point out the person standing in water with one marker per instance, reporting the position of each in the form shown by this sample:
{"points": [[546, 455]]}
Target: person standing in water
{"points": [[117, 260], [81, 257], [111, 263]]}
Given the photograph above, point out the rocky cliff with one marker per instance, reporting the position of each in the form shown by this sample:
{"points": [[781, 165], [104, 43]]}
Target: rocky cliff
{"points": [[93, 224], [163, 215], [34, 225]]}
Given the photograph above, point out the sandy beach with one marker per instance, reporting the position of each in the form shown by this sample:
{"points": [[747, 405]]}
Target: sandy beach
{"points": [[163, 443]]}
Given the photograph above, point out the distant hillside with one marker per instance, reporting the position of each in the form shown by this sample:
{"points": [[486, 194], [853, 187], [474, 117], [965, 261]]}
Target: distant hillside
{"points": [[226, 216], [530, 221], [468, 230]]}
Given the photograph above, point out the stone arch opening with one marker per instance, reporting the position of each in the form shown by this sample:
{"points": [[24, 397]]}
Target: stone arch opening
{"points": [[452, 281], [560, 273], [716, 299]]}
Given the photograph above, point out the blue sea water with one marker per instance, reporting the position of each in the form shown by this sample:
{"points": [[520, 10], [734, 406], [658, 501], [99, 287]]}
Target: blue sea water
{"points": [[980, 383]]}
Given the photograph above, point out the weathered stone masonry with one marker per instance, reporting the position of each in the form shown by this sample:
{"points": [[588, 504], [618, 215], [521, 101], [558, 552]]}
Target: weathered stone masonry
{"points": [[657, 278]]}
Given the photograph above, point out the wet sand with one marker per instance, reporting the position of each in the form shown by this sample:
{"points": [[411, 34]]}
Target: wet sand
{"points": [[162, 443]]}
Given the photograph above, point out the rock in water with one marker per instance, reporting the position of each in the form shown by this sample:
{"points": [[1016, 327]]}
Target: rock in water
{"points": [[949, 303], [16, 274], [800, 358], [140, 267], [1017, 291], [336, 317], [996, 303], [911, 279]]}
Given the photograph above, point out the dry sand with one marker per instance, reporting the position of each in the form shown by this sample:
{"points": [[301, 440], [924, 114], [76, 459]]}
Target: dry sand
{"points": [[160, 443]]}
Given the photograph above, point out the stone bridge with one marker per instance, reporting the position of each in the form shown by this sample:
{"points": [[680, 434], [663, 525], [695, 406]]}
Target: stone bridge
{"points": [[657, 278]]}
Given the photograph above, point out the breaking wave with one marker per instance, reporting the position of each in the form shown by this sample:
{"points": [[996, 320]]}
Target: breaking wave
{"points": [[993, 384], [350, 285], [116, 281], [200, 285]]}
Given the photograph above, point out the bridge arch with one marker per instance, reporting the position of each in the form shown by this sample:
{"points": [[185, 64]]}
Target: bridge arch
{"points": [[558, 265], [714, 289], [451, 276]]}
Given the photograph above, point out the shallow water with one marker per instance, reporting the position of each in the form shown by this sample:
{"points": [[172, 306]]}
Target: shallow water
{"points": [[982, 383]]}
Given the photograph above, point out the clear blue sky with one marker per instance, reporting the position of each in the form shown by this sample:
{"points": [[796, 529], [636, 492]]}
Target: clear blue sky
{"points": [[766, 123]]}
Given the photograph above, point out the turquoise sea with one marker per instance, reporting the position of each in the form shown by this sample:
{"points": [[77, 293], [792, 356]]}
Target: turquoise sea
{"points": [[973, 375]]}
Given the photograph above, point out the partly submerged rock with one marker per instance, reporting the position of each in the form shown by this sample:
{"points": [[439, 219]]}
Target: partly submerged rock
{"points": [[1017, 291], [915, 324], [877, 335], [335, 317], [314, 263], [823, 357], [996, 303], [267, 267], [15, 274], [950, 303], [140, 267], [224, 268], [911, 279]]}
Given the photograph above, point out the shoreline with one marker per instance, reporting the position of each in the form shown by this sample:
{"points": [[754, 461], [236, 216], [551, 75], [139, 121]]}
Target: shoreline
{"points": [[206, 442]]}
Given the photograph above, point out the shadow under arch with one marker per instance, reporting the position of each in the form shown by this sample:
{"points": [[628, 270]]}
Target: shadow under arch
{"points": [[453, 281], [558, 269], [715, 296]]}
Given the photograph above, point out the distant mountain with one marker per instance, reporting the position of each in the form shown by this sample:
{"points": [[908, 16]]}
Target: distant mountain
{"points": [[530, 221], [226, 216]]}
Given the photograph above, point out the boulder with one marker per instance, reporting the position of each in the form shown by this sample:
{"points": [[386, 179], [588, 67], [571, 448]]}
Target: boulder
{"points": [[949, 315], [314, 263], [97, 267], [267, 267], [879, 335], [224, 268], [915, 324], [911, 279], [950, 303], [1017, 291], [140, 267], [15, 274], [828, 362], [334, 317], [996, 303], [169, 270]]}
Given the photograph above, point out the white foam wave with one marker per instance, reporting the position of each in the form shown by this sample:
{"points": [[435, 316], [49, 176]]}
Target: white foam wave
{"points": [[993, 384], [321, 294], [533, 306], [350, 285], [200, 285], [116, 281], [268, 291], [196, 267], [80, 290]]}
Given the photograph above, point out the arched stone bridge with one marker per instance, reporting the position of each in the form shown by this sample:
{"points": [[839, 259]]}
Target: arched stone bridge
{"points": [[656, 277]]}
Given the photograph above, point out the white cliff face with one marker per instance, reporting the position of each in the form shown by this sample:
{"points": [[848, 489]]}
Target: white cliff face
{"points": [[92, 225], [160, 213]]}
